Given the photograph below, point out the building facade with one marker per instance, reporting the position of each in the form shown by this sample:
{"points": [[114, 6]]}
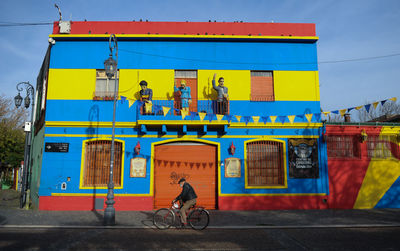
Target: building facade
{"points": [[258, 147]]}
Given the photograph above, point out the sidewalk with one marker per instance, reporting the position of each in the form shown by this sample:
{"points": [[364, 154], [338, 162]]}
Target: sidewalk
{"points": [[11, 217]]}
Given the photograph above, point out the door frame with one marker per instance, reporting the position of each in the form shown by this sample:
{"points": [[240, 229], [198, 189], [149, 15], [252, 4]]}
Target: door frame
{"points": [[218, 166]]}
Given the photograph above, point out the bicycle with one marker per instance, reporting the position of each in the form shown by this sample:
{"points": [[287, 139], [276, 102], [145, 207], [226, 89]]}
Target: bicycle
{"points": [[198, 217]]}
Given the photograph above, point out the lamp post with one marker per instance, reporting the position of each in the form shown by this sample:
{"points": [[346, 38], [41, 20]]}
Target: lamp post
{"points": [[110, 66], [18, 101]]}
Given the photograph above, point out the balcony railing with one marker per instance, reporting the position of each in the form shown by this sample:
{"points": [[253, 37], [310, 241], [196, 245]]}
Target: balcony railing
{"points": [[206, 106]]}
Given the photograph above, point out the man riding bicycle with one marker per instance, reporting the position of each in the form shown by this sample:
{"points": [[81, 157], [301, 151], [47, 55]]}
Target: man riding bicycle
{"points": [[188, 197]]}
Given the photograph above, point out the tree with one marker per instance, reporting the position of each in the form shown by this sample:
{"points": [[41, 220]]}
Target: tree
{"points": [[12, 136], [389, 108]]}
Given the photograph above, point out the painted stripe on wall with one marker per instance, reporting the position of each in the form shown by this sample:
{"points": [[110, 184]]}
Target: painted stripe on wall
{"points": [[187, 55]]}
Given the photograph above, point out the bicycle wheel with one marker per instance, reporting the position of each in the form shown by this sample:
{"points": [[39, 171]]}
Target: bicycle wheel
{"points": [[199, 219], [163, 218]]}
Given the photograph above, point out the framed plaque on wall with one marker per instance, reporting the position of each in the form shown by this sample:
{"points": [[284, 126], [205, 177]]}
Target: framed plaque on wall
{"points": [[232, 168], [138, 167]]}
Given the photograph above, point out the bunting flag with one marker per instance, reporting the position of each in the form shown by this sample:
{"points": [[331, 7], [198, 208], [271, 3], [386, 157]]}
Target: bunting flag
{"points": [[335, 112], [291, 118], [177, 110], [202, 115], [148, 107], [352, 108], [238, 117], [131, 101], [343, 112], [219, 117], [246, 119], [166, 110], [367, 107], [383, 102], [264, 119], [375, 104], [193, 115], [393, 99], [317, 116], [123, 98], [184, 113], [359, 107], [229, 118], [157, 108], [300, 116], [273, 118], [282, 119], [256, 119], [309, 117], [210, 116], [326, 113]]}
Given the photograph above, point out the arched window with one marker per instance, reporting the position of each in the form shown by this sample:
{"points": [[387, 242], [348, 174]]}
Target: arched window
{"points": [[97, 163], [265, 163]]}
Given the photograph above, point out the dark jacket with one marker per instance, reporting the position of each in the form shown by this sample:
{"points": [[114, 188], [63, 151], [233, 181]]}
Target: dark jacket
{"points": [[187, 193]]}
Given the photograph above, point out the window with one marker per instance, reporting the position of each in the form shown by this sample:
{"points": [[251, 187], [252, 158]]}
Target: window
{"points": [[381, 146], [97, 163], [265, 163], [343, 146], [104, 86], [262, 86]]}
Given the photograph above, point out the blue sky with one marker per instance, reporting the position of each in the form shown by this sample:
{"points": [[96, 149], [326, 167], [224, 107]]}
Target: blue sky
{"points": [[347, 30]]}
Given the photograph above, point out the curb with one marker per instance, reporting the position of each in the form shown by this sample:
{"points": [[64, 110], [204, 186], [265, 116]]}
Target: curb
{"points": [[209, 227]]}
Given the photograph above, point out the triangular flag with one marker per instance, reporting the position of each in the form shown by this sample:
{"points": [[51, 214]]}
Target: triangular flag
{"points": [[157, 108], [273, 118], [246, 119], [352, 108], [177, 110], [131, 101], [291, 118], [309, 117], [193, 115], [383, 102], [343, 112], [123, 98], [326, 113], [256, 119], [367, 107], [148, 107], [184, 113], [359, 107], [335, 112], [282, 119], [317, 116], [219, 117], [202, 115], [229, 118], [264, 119], [210, 116], [238, 117], [375, 104], [166, 110], [393, 99], [300, 116]]}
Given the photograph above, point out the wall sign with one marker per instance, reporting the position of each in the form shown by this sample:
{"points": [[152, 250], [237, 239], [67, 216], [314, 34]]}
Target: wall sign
{"points": [[303, 158], [56, 147], [138, 167], [232, 167]]}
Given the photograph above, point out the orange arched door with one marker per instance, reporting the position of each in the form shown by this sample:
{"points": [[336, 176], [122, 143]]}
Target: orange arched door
{"points": [[197, 163]]}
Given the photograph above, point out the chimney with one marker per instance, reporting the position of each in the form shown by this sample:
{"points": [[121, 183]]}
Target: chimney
{"points": [[347, 118]]}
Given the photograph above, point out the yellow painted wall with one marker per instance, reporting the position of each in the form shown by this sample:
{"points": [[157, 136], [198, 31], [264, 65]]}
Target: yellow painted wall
{"points": [[80, 84], [71, 83], [238, 83], [296, 86]]}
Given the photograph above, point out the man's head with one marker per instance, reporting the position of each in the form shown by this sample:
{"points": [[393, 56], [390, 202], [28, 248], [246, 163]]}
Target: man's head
{"points": [[181, 182], [221, 81], [143, 85]]}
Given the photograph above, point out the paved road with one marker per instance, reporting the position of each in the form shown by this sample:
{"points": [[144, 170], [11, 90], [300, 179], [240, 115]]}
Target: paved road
{"points": [[384, 238]]}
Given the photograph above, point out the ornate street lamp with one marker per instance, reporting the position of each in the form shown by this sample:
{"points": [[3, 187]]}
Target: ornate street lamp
{"points": [[27, 101], [110, 66]]}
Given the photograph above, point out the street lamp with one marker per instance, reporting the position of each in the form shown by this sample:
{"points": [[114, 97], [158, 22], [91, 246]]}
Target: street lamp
{"points": [[27, 101], [110, 66]]}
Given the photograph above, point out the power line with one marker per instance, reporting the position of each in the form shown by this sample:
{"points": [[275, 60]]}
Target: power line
{"points": [[10, 24]]}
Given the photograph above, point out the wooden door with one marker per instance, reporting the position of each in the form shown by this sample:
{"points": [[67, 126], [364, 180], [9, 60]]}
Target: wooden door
{"points": [[197, 163]]}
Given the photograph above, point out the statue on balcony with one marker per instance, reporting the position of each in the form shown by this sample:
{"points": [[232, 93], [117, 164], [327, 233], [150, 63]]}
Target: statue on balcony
{"points": [[222, 98], [146, 96], [185, 95]]}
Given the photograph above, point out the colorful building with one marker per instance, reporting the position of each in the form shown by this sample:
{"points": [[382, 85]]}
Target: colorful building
{"points": [[261, 147]]}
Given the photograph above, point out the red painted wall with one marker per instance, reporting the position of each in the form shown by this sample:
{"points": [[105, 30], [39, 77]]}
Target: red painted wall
{"points": [[191, 28]]}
